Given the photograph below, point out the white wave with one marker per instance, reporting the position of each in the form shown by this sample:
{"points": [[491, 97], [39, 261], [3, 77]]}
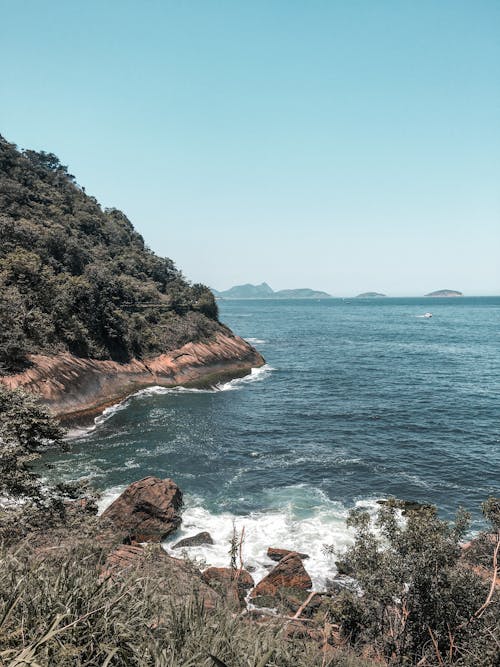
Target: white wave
{"points": [[255, 341], [294, 524], [109, 412], [108, 497], [286, 528], [256, 375]]}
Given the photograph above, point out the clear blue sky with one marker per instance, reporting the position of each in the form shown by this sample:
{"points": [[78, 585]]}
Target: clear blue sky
{"points": [[342, 145]]}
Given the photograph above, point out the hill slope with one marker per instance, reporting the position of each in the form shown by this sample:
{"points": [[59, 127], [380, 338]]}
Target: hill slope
{"points": [[76, 278]]}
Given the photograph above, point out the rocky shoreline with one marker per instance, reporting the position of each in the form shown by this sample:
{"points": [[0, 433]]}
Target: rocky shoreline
{"points": [[75, 389], [151, 509]]}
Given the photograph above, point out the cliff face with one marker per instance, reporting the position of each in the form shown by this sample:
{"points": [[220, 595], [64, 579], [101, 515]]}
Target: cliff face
{"points": [[76, 389]]}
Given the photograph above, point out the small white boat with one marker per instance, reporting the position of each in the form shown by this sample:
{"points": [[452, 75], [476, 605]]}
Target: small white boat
{"points": [[427, 315]]}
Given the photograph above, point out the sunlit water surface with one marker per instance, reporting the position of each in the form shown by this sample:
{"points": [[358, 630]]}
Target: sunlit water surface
{"points": [[359, 400]]}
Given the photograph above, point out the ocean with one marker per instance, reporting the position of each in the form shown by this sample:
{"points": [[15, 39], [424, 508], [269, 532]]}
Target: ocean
{"points": [[360, 399]]}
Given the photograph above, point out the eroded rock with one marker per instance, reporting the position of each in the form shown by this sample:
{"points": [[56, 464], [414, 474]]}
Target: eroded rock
{"points": [[288, 573], [147, 511]]}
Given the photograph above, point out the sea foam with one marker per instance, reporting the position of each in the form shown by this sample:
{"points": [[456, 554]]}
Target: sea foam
{"points": [[307, 523], [255, 375]]}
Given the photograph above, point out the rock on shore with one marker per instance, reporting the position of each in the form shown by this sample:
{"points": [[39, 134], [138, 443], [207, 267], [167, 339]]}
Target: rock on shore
{"points": [[147, 511], [76, 389], [288, 573]]}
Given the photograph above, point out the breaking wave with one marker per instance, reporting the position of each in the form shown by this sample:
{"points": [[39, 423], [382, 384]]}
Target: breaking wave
{"points": [[299, 518], [255, 375]]}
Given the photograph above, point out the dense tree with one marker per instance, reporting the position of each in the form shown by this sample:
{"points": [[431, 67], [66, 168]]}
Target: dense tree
{"points": [[76, 277]]}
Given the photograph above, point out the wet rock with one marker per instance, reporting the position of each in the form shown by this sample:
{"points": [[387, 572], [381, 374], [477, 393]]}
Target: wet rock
{"points": [[234, 584], [279, 554], [288, 573], [147, 511], [194, 541], [407, 505]]}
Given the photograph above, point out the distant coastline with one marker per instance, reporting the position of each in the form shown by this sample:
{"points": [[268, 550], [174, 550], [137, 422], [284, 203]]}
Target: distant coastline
{"points": [[370, 295], [445, 292], [264, 291]]}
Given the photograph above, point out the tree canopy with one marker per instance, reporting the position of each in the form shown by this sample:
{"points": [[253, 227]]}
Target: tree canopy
{"points": [[77, 278]]}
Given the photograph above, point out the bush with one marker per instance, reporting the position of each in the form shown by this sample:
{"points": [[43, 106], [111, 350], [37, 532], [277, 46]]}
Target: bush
{"points": [[418, 602]]}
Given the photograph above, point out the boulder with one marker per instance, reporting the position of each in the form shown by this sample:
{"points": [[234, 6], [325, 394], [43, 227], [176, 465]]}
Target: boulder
{"points": [[234, 584], [288, 573], [147, 511], [194, 541], [279, 554]]}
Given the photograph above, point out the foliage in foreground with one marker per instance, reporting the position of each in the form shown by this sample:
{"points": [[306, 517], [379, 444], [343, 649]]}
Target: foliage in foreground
{"points": [[421, 601], [59, 612], [76, 277], [26, 428]]}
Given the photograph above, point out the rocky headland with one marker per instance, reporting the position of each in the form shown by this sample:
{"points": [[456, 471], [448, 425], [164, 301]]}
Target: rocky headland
{"points": [[76, 389]]}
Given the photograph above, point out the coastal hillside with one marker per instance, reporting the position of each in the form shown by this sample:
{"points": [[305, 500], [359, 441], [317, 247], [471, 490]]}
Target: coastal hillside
{"points": [[77, 278]]}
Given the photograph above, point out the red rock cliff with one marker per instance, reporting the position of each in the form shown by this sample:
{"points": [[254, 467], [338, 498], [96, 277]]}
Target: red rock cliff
{"points": [[76, 389]]}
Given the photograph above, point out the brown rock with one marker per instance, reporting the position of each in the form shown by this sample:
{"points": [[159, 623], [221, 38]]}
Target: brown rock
{"points": [[122, 558], [76, 389], [174, 578], [235, 584], [147, 511], [288, 573], [279, 554], [194, 541]]}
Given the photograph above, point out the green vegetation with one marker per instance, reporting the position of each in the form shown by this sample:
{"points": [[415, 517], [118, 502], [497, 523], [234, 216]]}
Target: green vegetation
{"points": [[417, 597], [421, 600], [25, 428], [58, 611], [78, 278]]}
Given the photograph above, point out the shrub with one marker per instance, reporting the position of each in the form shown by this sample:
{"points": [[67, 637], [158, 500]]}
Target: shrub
{"points": [[418, 602]]}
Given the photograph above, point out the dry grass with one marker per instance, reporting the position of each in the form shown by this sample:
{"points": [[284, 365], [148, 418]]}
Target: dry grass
{"points": [[57, 611]]}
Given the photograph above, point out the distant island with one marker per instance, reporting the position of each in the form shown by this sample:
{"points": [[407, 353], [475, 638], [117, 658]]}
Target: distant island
{"points": [[370, 295], [445, 292], [263, 291]]}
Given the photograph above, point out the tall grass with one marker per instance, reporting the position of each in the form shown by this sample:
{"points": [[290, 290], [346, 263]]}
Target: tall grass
{"points": [[59, 611]]}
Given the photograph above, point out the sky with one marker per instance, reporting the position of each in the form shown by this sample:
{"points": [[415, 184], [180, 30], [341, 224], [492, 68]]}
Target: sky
{"points": [[342, 145]]}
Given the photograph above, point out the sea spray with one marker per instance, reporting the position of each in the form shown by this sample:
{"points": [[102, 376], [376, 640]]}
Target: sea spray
{"points": [[307, 523]]}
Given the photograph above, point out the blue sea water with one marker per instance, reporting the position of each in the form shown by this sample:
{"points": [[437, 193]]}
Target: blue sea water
{"points": [[360, 399]]}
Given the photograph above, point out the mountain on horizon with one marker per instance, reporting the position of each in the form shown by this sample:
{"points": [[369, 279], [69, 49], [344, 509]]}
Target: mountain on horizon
{"points": [[264, 291]]}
